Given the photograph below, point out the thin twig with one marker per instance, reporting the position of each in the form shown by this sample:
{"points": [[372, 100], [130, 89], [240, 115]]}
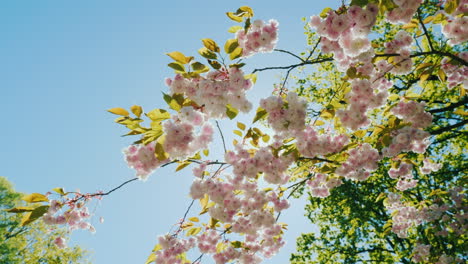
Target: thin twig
{"points": [[425, 31], [290, 53], [222, 136]]}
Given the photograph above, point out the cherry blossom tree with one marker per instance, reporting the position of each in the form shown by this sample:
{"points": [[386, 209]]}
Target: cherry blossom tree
{"points": [[371, 128]]}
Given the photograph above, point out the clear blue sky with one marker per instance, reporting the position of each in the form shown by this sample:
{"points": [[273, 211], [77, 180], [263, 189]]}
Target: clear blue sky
{"points": [[63, 63]]}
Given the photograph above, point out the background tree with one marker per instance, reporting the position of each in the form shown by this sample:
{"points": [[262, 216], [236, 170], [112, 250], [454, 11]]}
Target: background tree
{"points": [[33, 243]]}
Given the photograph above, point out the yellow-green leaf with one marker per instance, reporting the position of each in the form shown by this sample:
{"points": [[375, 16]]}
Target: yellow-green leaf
{"points": [[199, 67], [59, 190], [210, 44], [260, 114], [236, 53], [151, 258], [428, 19], [241, 126], [234, 17], [252, 76], [158, 115], [319, 123], [179, 57], [325, 11], [177, 66], [238, 132], [193, 231], [234, 29], [206, 152], [245, 11], [206, 53], [35, 198], [34, 215], [159, 151], [118, 111], [182, 165], [327, 113], [136, 110], [194, 219], [216, 65], [266, 138], [19, 209], [231, 112], [230, 45]]}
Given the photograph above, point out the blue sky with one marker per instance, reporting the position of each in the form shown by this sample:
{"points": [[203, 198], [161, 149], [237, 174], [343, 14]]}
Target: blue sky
{"points": [[65, 62]]}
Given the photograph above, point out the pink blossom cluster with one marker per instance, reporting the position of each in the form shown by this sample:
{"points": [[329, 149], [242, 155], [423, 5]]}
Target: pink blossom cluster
{"points": [[345, 35], [429, 166], [404, 175], [60, 242], [407, 139], [142, 158], [347, 31], [360, 163], [240, 203], [456, 74], [180, 138], [403, 216], [401, 45], [172, 248], [421, 253], [321, 186], [361, 98], [263, 161], [215, 91], [285, 116], [456, 30], [311, 144], [413, 112], [404, 12], [207, 241], [75, 217], [260, 37]]}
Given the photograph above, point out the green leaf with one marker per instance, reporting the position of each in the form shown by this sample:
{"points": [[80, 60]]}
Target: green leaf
{"points": [[35, 198], [34, 215], [210, 44], [325, 11], [245, 11], [160, 153], [182, 165], [59, 190], [214, 64], [119, 111], [158, 115], [193, 231], [179, 57], [206, 53], [360, 3], [19, 209], [234, 29], [260, 114], [199, 67], [236, 244], [177, 66], [231, 112], [252, 77], [238, 132], [236, 53], [230, 45], [206, 152], [450, 6], [151, 258], [234, 17], [241, 126], [136, 110]]}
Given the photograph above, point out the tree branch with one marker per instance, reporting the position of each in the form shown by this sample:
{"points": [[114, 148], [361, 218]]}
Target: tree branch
{"points": [[451, 106], [448, 128]]}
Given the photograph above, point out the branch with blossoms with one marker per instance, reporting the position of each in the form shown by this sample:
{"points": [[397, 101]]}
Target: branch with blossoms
{"points": [[363, 129]]}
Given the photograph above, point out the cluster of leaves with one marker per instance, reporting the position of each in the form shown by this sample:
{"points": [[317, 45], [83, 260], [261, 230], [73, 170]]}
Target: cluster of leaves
{"points": [[24, 240]]}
